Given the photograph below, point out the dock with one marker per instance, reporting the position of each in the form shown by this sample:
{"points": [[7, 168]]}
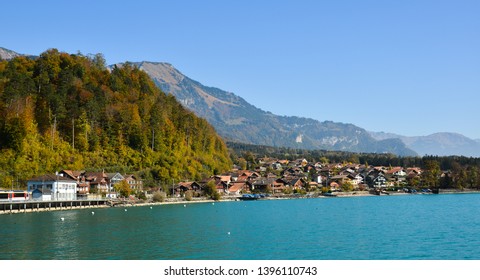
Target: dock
{"points": [[12, 207]]}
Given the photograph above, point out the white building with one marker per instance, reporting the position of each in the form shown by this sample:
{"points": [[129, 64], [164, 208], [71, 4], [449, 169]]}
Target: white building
{"points": [[53, 187]]}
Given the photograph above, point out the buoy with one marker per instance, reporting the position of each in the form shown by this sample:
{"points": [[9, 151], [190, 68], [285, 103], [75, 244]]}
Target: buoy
{"points": [[151, 207], [228, 233], [93, 213], [62, 218], [125, 210], [184, 205], [213, 203]]}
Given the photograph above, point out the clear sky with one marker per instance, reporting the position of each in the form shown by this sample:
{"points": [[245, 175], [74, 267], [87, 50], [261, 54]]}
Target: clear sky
{"points": [[410, 67]]}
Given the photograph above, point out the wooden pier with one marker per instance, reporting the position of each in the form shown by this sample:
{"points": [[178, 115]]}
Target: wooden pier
{"points": [[11, 207]]}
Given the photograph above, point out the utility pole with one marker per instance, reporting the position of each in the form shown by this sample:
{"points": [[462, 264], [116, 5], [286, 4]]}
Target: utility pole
{"points": [[73, 134], [153, 139], [53, 129]]}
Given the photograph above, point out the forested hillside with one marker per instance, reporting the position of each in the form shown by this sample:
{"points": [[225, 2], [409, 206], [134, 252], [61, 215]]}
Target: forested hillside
{"points": [[62, 111]]}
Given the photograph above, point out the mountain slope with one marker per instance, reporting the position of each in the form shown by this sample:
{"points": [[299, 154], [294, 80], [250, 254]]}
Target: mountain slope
{"points": [[441, 144], [8, 54], [237, 120]]}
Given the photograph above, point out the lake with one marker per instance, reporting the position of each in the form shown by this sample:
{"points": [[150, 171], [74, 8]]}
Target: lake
{"points": [[409, 227]]}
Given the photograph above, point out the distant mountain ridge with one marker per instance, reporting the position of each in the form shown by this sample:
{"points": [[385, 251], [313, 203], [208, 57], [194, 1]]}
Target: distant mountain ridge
{"points": [[8, 54], [441, 144], [237, 120]]}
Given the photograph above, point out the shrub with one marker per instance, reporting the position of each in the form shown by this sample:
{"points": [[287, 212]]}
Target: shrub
{"points": [[288, 190], [158, 197], [141, 195], [188, 195], [216, 196]]}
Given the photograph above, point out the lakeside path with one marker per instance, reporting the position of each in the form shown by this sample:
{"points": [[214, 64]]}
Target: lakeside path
{"points": [[170, 201]]}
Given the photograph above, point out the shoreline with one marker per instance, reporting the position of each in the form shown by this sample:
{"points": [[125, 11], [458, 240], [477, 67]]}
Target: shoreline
{"points": [[224, 199]]}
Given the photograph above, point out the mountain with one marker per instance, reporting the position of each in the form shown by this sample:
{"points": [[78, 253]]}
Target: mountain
{"points": [[237, 120], [8, 54], [441, 144]]}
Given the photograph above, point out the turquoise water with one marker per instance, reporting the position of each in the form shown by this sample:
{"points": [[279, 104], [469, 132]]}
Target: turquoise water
{"points": [[440, 227]]}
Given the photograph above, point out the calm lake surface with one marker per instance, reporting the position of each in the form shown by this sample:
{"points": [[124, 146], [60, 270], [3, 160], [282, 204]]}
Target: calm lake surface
{"points": [[439, 227]]}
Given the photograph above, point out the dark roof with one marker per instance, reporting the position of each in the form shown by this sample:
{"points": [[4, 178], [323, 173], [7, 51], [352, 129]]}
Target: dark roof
{"points": [[42, 191], [52, 177]]}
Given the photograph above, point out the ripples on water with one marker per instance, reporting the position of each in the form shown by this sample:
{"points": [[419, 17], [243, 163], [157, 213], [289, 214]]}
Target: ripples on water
{"points": [[415, 227]]}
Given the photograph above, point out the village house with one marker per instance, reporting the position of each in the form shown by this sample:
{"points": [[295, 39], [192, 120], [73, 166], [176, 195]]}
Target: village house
{"points": [[52, 187], [279, 186], [134, 182], [380, 181], [297, 184], [98, 182], [263, 184], [83, 186], [237, 188], [183, 187]]}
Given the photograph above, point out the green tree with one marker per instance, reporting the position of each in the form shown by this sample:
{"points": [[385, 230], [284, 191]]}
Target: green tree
{"points": [[211, 190], [123, 188], [431, 174], [472, 174], [242, 163], [347, 186]]}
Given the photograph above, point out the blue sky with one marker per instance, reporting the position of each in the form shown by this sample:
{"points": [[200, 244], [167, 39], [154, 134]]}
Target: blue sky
{"points": [[407, 67]]}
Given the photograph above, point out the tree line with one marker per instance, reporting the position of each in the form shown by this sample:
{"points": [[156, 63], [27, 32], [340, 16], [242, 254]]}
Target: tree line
{"points": [[439, 171]]}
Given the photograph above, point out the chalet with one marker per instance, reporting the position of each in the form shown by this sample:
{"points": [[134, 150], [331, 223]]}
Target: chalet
{"points": [[238, 188], [72, 174], [297, 184], [224, 178], [52, 187], [397, 171], [276, 165], [356, 179], [134, 182], [334, 186], [249, 174], [380, 181], [83, 186], [414, 171], [292, 171], [263, 184], [347, 171], [114, 178], [188, 186], [279, 186], [312, 186], [98, 182], [340, 179]]}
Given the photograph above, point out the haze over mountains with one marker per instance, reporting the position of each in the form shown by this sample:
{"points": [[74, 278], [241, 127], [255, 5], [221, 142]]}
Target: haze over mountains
{"points": [[441, 144], [237, 120]]}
